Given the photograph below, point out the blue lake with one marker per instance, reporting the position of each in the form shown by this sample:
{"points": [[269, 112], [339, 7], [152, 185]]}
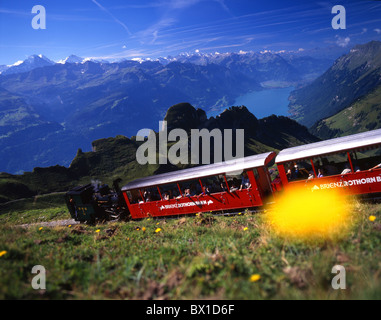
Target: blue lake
{"points": [[264, 103]]}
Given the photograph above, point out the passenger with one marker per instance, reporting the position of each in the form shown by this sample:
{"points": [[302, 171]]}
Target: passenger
{"points": [[376, 167], [311, 176], [223, 187], [206, 191], [166, 196], [346, 170], [320, 173], [233, 187], [147, 196], [289, 174], [295, 174], [245, 183], [187, 193], [177, 194]]}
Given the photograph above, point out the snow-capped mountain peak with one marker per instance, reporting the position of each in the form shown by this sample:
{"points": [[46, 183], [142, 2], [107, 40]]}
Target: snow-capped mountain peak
{"points": [[16, 63], [30, 63], [38, 58], [71, 59]]}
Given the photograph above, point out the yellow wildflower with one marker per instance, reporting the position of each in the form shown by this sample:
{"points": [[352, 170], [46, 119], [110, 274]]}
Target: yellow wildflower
{"points": [[144, 229], [255, 278], [3, 253], [97, 230], [157, 230], [40, 228], [245, 229], [372, 218]]}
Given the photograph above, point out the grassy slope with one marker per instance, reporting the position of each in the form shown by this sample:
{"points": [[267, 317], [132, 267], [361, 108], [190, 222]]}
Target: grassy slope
{"points": [[190, 258], [114, 158], [361, 116]]}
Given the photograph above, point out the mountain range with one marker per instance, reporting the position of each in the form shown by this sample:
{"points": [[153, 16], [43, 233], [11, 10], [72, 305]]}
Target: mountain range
{"points": [[64, 106], [50, 109]]}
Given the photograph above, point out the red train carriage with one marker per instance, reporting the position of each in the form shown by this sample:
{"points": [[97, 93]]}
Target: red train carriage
{"points": [[231, 185], [350, 163]]}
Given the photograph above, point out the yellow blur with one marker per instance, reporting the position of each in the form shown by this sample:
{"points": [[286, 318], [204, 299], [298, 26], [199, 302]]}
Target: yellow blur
{"points": [[301, 213]]}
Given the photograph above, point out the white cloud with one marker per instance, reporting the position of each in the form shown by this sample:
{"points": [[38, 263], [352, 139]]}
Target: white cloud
{"points": [[112, 16], [182, 4], [151, 34], [378, 31], [343, 42]]}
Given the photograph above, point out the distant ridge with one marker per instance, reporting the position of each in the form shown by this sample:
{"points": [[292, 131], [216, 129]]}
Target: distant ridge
{"points": [[352, 76], [115, 157]]}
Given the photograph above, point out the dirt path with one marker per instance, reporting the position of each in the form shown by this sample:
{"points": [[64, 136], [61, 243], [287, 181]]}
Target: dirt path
{"points": [[51, 223]]}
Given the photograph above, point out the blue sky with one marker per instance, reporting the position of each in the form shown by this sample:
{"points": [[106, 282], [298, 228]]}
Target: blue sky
{"points": [[116, 29]]}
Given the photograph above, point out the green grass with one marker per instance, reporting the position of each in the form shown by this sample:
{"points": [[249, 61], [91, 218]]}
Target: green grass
{"points": [[361, 116], [42, 208], [195, 257]]}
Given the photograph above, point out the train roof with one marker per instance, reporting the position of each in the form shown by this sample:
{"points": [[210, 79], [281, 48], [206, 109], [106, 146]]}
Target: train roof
{"points": [[356, 141], [235, 165]]}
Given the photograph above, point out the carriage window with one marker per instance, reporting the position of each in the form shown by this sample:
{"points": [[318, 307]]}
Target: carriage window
{"points": [[235, 180], [214, 184], [170, 191], [297, 171], [331, 165], [134, 196], [191, 188], [150, 194], [366, 159], [129, 196]]}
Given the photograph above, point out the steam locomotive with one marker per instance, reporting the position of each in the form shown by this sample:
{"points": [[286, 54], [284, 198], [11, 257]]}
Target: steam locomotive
{"points": [[96, 201]]}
